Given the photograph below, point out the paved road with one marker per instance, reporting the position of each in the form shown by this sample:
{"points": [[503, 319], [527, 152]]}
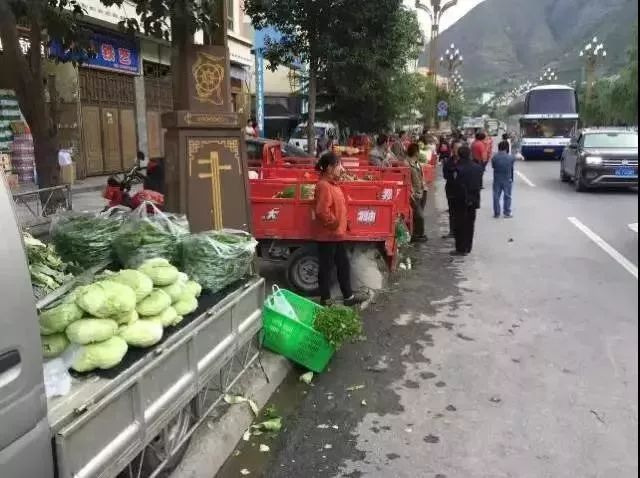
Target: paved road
{"points": [[518, 361]]}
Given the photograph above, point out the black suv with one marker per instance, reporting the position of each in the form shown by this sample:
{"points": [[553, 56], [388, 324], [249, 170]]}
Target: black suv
{"points": [[604, 157]]}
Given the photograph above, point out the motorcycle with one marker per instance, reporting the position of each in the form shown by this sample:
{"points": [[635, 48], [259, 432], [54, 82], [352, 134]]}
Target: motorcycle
{"points": [[118, 190]]}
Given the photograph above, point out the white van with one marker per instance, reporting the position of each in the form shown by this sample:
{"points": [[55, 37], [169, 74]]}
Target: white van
{"points": [[299, 136]]}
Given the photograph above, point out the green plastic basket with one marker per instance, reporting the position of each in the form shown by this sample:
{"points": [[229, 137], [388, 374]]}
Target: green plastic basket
{"points": [[296, 339]]}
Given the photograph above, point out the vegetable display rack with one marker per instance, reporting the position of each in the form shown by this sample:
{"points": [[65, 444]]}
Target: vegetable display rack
{"points": [[296, 339]]}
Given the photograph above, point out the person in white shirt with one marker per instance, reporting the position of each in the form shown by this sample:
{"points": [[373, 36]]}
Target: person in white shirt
{"points": [[249, 130]]}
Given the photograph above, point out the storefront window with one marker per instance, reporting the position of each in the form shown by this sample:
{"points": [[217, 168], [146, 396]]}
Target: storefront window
{"points": [[230, 25]]}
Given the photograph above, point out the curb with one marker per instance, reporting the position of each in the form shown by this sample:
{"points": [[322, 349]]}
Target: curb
{"points": [[215, 441]]}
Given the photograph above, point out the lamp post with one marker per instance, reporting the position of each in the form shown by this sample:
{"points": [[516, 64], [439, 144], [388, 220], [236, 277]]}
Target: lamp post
{"points": [[435, 11], [548, 76], [451, 59], [592, 53]]}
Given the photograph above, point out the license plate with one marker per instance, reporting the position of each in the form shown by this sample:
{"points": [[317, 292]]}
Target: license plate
{"points": [[625, 172], [549, 150]]}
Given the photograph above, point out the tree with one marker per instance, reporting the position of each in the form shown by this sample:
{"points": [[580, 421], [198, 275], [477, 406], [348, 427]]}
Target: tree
{"points": [[47, 21]]}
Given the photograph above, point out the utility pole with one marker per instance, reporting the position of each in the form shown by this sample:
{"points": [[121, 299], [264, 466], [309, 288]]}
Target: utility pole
{"points": [[451, 60], [435, 11]]}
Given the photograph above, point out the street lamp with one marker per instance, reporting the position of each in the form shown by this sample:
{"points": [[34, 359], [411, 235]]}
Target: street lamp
{"points": [[548, 76], [592, 52], [435, 11], [451, 59]]}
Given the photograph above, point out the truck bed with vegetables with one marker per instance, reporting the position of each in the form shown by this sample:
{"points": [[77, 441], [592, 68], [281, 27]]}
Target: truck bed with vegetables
{"points": [[129, 333]]}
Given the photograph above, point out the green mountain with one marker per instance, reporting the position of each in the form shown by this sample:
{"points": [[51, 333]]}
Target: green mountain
{"points": [[508, 41]]}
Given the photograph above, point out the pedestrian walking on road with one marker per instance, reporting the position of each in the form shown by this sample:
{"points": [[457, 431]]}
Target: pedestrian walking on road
{"points": [[505, 139], [449, 173], [503, 164], [479, 151], [330, 226], [418, 192], [467, 185]]}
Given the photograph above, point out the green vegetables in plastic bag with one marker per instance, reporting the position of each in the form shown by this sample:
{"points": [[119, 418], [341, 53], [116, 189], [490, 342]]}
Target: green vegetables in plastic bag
{"points": [[146, 236], [141, 284], [102, 355], [166, 318], [56, 319], [143, 333], [85, 238], [89, 331], [160, 271], [215, 259], [53, 345], [154, 303], [403, 236], [106, 299]]}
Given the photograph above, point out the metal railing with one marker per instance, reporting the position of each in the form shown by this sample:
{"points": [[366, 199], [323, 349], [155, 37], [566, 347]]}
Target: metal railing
{"points": [[36, 205]]}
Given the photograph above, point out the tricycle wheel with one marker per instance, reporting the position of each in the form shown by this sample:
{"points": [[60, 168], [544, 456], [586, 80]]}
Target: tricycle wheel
{"points": [[302, 270]]}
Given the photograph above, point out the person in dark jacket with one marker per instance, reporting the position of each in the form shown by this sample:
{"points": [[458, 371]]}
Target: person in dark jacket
{"points": [[467, 184], [448, 172], [502, 164]]}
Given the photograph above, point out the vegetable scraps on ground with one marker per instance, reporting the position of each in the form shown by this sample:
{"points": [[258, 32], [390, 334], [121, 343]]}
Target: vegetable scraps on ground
{"points": [[338, 324]]}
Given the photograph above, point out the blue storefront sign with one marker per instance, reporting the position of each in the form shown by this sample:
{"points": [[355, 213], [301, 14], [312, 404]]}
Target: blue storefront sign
{"points": [[260, 92], [109, 52]]}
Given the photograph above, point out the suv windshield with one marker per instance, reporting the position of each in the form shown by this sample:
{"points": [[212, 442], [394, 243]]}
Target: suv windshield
{"points": [[611, 140], [301, 132]]}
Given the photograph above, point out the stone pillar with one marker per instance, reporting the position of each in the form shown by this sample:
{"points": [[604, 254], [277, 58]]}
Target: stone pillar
{"points": [[141, 112]]}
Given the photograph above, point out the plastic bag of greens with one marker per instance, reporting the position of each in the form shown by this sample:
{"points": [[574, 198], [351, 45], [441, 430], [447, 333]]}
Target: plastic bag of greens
{"points": [[86, 238], [149, 233], [403, 236], [215, 259]]}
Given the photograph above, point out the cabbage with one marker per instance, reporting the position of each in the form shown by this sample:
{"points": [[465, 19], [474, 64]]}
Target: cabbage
{"points": [[179, 319], [126, 318], [186, 304], [141, 284], [194, 288], [160, 271], [88, 331], [143, 333], [58, 318], [53, 345], [106, 299], [154, 303], [103, 355], [166, 318], [175, 290]]}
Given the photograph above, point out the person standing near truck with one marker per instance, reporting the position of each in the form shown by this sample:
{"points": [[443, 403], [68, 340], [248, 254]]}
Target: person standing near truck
{"points": [[502, 164], [379, 156], [418, 192], [467, 183], [330, 226]]}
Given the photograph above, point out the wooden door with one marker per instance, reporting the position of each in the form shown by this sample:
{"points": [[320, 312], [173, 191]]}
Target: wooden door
{"points": [[129, 142], [111, 140], [154, 134], [92, 139]]}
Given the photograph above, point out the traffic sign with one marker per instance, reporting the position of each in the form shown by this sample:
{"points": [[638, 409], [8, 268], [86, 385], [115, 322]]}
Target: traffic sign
{"points": [[443, 108]]}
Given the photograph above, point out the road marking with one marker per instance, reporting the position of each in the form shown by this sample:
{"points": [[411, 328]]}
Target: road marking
{"points": [[525, 179], [615, 255], [634, 227]]}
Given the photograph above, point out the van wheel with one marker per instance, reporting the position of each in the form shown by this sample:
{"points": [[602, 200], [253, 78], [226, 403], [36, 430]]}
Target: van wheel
{"points": [[302, 270]]}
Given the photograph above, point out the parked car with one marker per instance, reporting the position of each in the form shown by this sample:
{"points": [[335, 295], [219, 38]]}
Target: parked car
{"points": [[299, 136], [601, 157]]}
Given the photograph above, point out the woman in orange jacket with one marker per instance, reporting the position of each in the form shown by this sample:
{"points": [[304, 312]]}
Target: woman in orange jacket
{"points": [[330, 218]]}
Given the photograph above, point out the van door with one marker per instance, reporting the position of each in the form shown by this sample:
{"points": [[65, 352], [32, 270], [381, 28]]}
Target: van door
{"points": [[25, 441]]}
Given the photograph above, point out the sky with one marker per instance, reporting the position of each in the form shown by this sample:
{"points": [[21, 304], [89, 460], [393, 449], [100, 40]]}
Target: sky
{"points": [[449, 18]]}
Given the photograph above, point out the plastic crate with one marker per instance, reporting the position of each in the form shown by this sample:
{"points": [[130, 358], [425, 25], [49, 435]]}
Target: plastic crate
{"points": [[296, 339]]}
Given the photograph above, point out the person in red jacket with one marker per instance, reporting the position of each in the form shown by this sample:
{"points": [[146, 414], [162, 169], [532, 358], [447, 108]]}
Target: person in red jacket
{"points": [[330, 226]]}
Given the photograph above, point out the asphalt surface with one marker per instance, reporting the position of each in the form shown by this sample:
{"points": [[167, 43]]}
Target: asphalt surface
{"points": [[520, 360]]}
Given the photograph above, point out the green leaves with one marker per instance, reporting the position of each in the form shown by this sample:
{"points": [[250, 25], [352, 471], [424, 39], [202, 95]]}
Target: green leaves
{"points": [[338, 324]]}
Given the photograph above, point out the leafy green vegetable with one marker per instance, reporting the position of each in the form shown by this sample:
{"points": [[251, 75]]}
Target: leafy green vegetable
{"points": [[103, 355], [89, 331], [106, 299], [154, 303], [53, 345], [148, 237], [338, 324], [185, 304], [287, 193], [175, 290], [166, 318], [160, 271], [126, 318], [193, 288], [85, 238], [141, 284], [215, 259], [56, 319], [48, 271], [143, 333]]}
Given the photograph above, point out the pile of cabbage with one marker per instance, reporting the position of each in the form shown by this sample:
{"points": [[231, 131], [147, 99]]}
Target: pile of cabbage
{"points": [[129, 308]]}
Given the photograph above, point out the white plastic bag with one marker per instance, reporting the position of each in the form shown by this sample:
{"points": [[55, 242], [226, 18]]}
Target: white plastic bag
{"points": [[57, 379], [280, 303]]}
